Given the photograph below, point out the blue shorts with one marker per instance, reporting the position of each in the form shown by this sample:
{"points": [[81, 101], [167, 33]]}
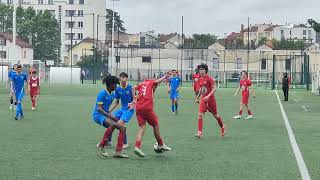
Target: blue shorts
{"points": [[174, 95], [124, 115], [99, 119], [19, 96]]}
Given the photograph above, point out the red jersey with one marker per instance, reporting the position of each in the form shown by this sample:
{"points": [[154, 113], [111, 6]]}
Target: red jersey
{"points": [[34, 83], [145, 96], [206, 83], [245, 84], [196, 85]]}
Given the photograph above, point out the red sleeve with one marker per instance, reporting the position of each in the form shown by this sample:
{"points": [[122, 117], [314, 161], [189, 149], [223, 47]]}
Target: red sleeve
{"points": [[211, 81], [154, 82]]}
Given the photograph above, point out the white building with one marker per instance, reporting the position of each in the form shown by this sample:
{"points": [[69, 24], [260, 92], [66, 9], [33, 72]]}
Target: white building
{"points": [[84, 15], [21, 52], [295, 32]]}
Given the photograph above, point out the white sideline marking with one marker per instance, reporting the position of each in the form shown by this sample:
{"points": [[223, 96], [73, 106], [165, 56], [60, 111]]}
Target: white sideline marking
{"points": [[305, 108], [297, 153]]}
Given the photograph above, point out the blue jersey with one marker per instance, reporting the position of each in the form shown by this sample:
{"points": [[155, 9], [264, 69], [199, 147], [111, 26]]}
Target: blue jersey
{"points": [[18, 81], [125, 95], [11, 73], [104, 98], [174, 83]]}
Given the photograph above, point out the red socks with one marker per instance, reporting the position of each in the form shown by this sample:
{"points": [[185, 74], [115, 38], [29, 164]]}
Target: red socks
{"points": [[105, 136], [138, 144], [120, 142], [249, 112], [240, 112], [220, 122]]}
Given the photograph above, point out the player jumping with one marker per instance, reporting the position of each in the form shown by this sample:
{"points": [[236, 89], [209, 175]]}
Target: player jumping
{"points": [[245, 84], [208, 101]]}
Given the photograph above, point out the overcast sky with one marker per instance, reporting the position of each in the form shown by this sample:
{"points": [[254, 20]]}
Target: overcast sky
{"points": [[211, 16]]}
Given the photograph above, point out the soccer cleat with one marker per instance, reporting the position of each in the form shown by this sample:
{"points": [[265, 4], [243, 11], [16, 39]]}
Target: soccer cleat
{"points": [[199, 134], [164, 147], [22, 116], [237, 117], [222, 131], [101, 151], [138, 152], [125, 146], [33, 108], [249, 117], [120, 155], [108, 144], [15, 118]]}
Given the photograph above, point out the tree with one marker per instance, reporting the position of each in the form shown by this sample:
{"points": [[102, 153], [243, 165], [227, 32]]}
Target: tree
{"points": [[41, 27], [288, 44], [316, 26], [262, 41], [118, 23], [203, 41]]}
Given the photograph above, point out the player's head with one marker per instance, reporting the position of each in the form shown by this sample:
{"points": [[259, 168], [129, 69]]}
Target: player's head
{"points": [[174, 72], [244, 74], [203, 69], [285, 74], [111, 82], [19, 69], [14, 67], [34, 73], [123, 78]]}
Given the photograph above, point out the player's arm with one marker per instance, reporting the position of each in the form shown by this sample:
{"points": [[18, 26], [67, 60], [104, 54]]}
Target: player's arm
{"points": [[134, 97], [107, 114], [169, 86], [199, 95], [115, 104], [253, 92], [162, 78], [211, 92]]}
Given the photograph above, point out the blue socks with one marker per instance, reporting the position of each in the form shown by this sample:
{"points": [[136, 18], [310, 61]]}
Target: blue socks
{"points": [[172, 107], [19, 111]]}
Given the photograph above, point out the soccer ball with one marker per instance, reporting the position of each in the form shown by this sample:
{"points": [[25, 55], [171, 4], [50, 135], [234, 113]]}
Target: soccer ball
{"points": [[156, 148]]}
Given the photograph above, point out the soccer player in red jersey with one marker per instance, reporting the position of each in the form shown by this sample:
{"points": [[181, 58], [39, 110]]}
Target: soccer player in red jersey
{"points": [[195, 80], [245, 84], [207, 101], [145, 114], [34, 86]]}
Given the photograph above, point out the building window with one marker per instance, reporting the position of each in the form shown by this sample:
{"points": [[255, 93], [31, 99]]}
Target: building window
{"points": [[304, 32], [9, 1], [50, 2], [70, 24], [263, 64], [215, 64], [68, 36], [70, 13], [71, 1], [3, 54], [80, 24], [282, 34], [20, 1], [40, 1], [81, 1], [146, 59], [2, 42], [80, 13], [238, 63], [80, 36]]}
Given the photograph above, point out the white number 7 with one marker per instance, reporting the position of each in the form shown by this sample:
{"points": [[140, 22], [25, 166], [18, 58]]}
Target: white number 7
{"points": [[144, 89]]}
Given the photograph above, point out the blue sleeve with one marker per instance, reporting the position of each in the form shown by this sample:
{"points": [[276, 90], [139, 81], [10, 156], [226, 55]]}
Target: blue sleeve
{"points": [[25, 77], [100, 98], [117, 94]]}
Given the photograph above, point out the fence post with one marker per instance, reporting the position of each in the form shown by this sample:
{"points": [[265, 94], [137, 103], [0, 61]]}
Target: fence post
{"points": [[273, 71]]}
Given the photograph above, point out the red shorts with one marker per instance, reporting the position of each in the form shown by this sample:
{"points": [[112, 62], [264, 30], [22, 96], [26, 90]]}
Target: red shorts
{"points": [[245, 99], [147, 116], [33, 92], [210, 106]]}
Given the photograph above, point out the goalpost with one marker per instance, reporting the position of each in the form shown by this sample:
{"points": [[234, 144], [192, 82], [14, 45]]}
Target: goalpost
{"points": [[316, 83]]}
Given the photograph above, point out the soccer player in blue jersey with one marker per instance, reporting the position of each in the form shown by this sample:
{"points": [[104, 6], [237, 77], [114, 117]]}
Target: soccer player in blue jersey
{"points": [[173, 90], [19, 87], [103, 117], [10, 74], [125, 93]]}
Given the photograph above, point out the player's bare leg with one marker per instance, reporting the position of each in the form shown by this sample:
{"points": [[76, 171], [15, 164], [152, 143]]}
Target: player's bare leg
{"points": [[137, 149], [200, 122], [240, 112], [161, 145], [249, 112], [221, 124]]}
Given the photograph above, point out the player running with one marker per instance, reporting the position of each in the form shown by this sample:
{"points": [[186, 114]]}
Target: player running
{"points": [[195, 81], [125, 93], [245, 84], [173, 90], [145, 114], [34, 85], [207, 101], [10, 74], [18, 82], [102, 116]]}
